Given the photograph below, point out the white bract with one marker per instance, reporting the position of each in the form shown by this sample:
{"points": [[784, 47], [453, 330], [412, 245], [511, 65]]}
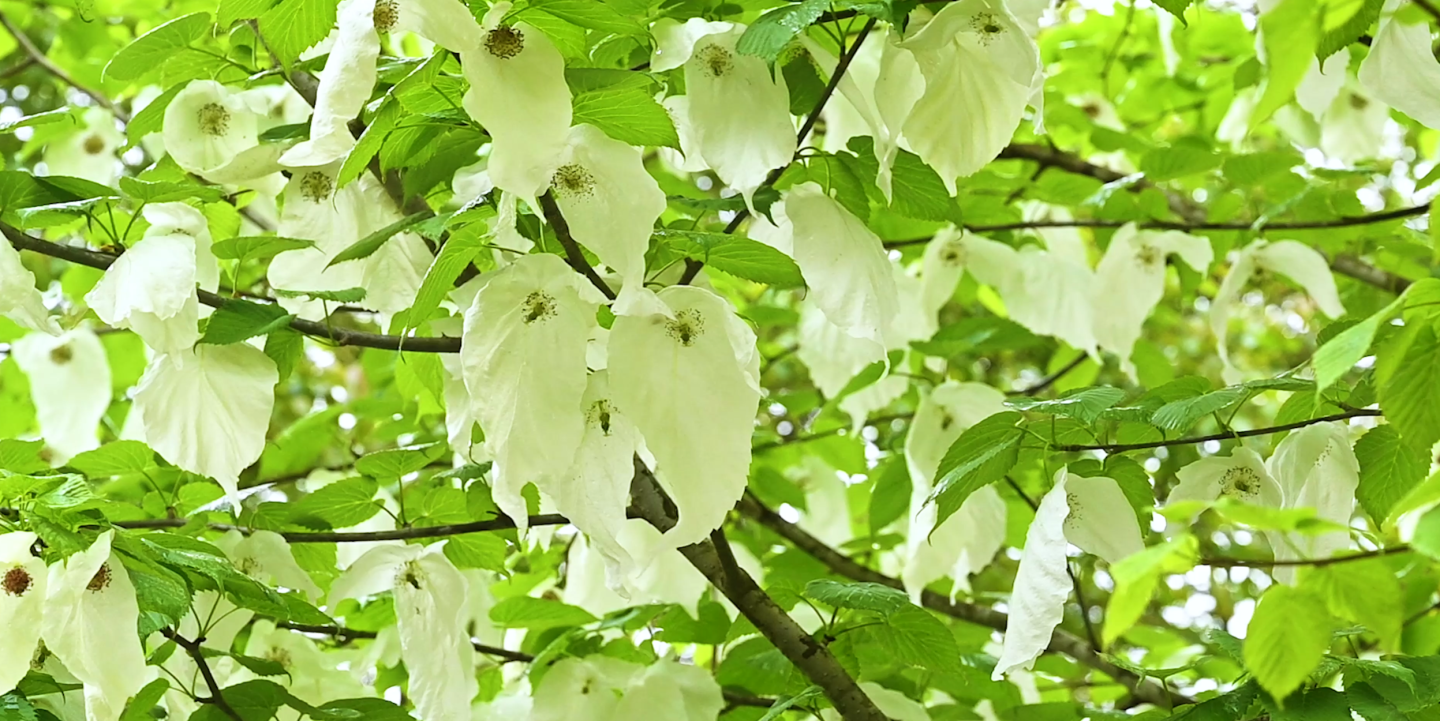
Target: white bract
{"points": [[1089, 513], [151, 287], [206, 410], [690, 382], [1315, 467], [431, 610], [739, 112], [844, 263], [974, 53], [523, 360], [675, 41], [518, 92], [1130, 281], [610, 203], [893, 704], [600, 688], [22, 602], [669, 578], [89, 152], [207, 126], [20, 300], [349, 74], [1241, 475], [966, 542], [1294, 260], [70, 385], [265, 556], [1402, 72], [90, 624]]}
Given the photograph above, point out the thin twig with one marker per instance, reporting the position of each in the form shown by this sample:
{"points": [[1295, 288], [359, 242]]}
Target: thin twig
{"points": [[340, 632], [1052, 379], [1123, 447], [1313, 562], [216, 697], [45, 62], [399, 534], [573, 255]]}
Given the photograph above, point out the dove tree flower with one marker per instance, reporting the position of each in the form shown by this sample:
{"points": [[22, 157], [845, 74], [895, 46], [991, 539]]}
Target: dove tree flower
{"points": [[965, 542], [22, 603], [431, 609], [20, 300], [207, 126], [610, 203], [206, 409], [519, 94], [523, 361], [349, 74], [1401, 70], [265, 556], [976, 51], [70, 385], [662, 368], [597, 584], [600, 688], [90, 624], [1089, 513], [1294, 260], [1130, 281], [739, 112], [89, 152]]}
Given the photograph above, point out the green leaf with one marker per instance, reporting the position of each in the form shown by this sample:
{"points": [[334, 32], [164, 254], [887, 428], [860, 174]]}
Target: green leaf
{"points": [[454, 256], [916, 638], [348, 295], [370, 142], [257, 247], [397, 462], [983, 454], [116, 458], [1176, 8], [1286, 639], [629, 115], [862, 596], [1344, 22], [1181, 414], [22, 457], [1389, 469], [538, 613], [141, 706], [142, 191], [477, 550], [285, 347], [890, 499], [1370, 704], [1411, 397], [294, 26], [1364, 592], [1291, 31], [1426, 537], [590, 14], [1136, 578], [256, 700], [771, 32], [366, 247], [151, 50], [237, 320], [340, 504], [1178, 161], [1084, 404], [46, 118], [369, 709], [152, 116], [737, 255], [234, 10], [1339, 354], [14, 707]]}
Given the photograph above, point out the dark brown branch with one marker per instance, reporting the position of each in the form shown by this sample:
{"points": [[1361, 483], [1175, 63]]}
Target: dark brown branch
{"points": [[335, 336], [216, 697], [345, 634], [1062, 642], [399, 534], [43, 61], [692, 266], [573, 255], [1315, 562], [1123, 447], [1050, 380], [809, 655]]}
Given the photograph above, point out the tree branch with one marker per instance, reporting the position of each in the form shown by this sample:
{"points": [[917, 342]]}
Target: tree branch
{"points": [[216, 697], [573, 255], [1429, 7], [43, 61], [810, 656], [345, 634], [399, 534], [335, 336], [1123, 447], [1062, 641], [1313, 562]]}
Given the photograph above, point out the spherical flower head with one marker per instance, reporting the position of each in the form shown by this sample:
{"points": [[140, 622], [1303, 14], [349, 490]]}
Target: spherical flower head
{"points": [[207, 126]]}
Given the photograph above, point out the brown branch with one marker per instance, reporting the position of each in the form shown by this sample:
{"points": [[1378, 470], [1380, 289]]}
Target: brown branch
{"points": [[399, 534], [1429, 7], [340, 632], [45, 62], [333, 335], [809, 655], [216, 697], [692, 266], [1050, 380], [1123, 447], [573, 255], [1313, 562], [1062, 642]]}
